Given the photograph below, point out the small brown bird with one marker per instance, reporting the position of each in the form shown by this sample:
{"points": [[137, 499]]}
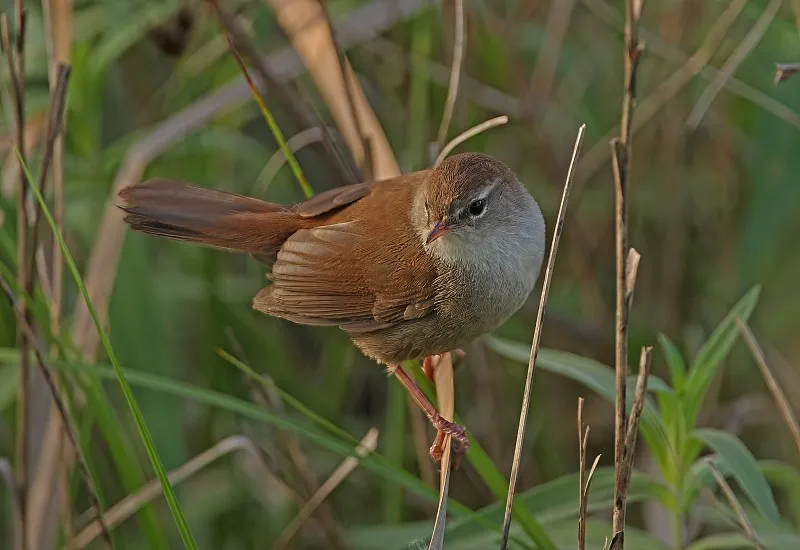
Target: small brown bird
{"points": [[408, 267]]}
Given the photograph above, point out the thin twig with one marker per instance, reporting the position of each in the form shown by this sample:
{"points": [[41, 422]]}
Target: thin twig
{"points": [[772, 384], [67, 423], [348, 465], [737, 507], [464, 136], [784, 71], [582, 441], [57, 104], [742, 50], [459, 46], [595, 158], [621, 165], [537, 334], [624, 470], [584, 481], [132, 503]]}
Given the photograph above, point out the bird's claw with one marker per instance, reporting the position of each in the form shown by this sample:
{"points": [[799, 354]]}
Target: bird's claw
{"points": [[459, 438]]}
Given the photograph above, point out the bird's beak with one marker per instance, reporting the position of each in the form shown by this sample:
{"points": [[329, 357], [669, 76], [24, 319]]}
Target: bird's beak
{"points": [[440, 228]]}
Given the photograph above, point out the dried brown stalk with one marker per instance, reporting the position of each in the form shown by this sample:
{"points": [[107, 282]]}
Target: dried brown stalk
{"points": [[737, 507], [537, 334], [131, 504], [774, 388], [467, 134], [303, 21], [15, 58], [459, 47], [621, 164], [623, 471], [584, 481], [57, 104], [348, 465], [83, 466], [341, 62]]}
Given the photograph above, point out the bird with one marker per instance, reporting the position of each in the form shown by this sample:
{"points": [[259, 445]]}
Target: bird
{"points": [[409, 267]]}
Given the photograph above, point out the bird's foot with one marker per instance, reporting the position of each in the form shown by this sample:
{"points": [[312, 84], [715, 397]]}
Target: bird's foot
{"points": [[459, 438], [430, 362]]}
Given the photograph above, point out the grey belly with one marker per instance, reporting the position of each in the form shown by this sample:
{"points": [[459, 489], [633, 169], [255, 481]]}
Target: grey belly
{"points": [[448, 328]]}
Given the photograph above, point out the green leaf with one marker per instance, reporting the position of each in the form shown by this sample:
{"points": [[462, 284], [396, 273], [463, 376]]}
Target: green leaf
{"points": [[373, 463], [675, 362], [743, 467], [710, 356]]}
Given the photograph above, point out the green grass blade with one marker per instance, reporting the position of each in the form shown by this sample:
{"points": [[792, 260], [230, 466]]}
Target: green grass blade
{"points": [[708, 359], [269, 385], [144, 432], [675, 362], [743, 467], [373, 463]]}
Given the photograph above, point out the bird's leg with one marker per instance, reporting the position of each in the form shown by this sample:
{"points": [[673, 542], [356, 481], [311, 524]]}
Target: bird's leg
{"points": [[428, 363], [443, 426]]}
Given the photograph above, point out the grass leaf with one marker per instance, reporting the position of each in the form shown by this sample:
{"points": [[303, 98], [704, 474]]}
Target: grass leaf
{"points": [[706, 364], [743, 467]]}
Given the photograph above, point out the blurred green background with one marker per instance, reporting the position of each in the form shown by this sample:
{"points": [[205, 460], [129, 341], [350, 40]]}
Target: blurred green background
{"points": [[715, 210]]}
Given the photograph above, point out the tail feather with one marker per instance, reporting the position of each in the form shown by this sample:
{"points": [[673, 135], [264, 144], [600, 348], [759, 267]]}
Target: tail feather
{"points": [[177, 210]]}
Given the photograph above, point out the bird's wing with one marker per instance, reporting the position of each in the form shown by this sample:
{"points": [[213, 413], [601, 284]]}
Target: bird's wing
{"points": [[363, 271]]}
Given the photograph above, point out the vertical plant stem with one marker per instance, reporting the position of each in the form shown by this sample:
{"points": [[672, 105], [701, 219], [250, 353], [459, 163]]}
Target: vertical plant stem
{"points": [[459, 43], [621, 161], [15, 58], [537, 334]]}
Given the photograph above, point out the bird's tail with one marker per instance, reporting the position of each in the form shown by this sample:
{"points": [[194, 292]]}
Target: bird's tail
{"points": [[177, 210]]}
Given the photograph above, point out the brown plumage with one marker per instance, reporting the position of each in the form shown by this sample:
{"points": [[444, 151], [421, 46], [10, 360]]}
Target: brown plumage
{"points": [[409, 267]]}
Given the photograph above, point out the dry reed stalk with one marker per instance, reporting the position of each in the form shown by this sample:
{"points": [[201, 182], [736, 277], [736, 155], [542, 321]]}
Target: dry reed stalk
{"points": [[15, 59], [348, 465], [584, 480], [537, 334], [774, 388], [303, 21], [459, 48], [70, 432], [132, 503], [737, 507], [621, 164]]}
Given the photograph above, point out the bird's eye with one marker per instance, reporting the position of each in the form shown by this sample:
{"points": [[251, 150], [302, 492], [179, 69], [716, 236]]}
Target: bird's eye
{"points": [[477, 207]]}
